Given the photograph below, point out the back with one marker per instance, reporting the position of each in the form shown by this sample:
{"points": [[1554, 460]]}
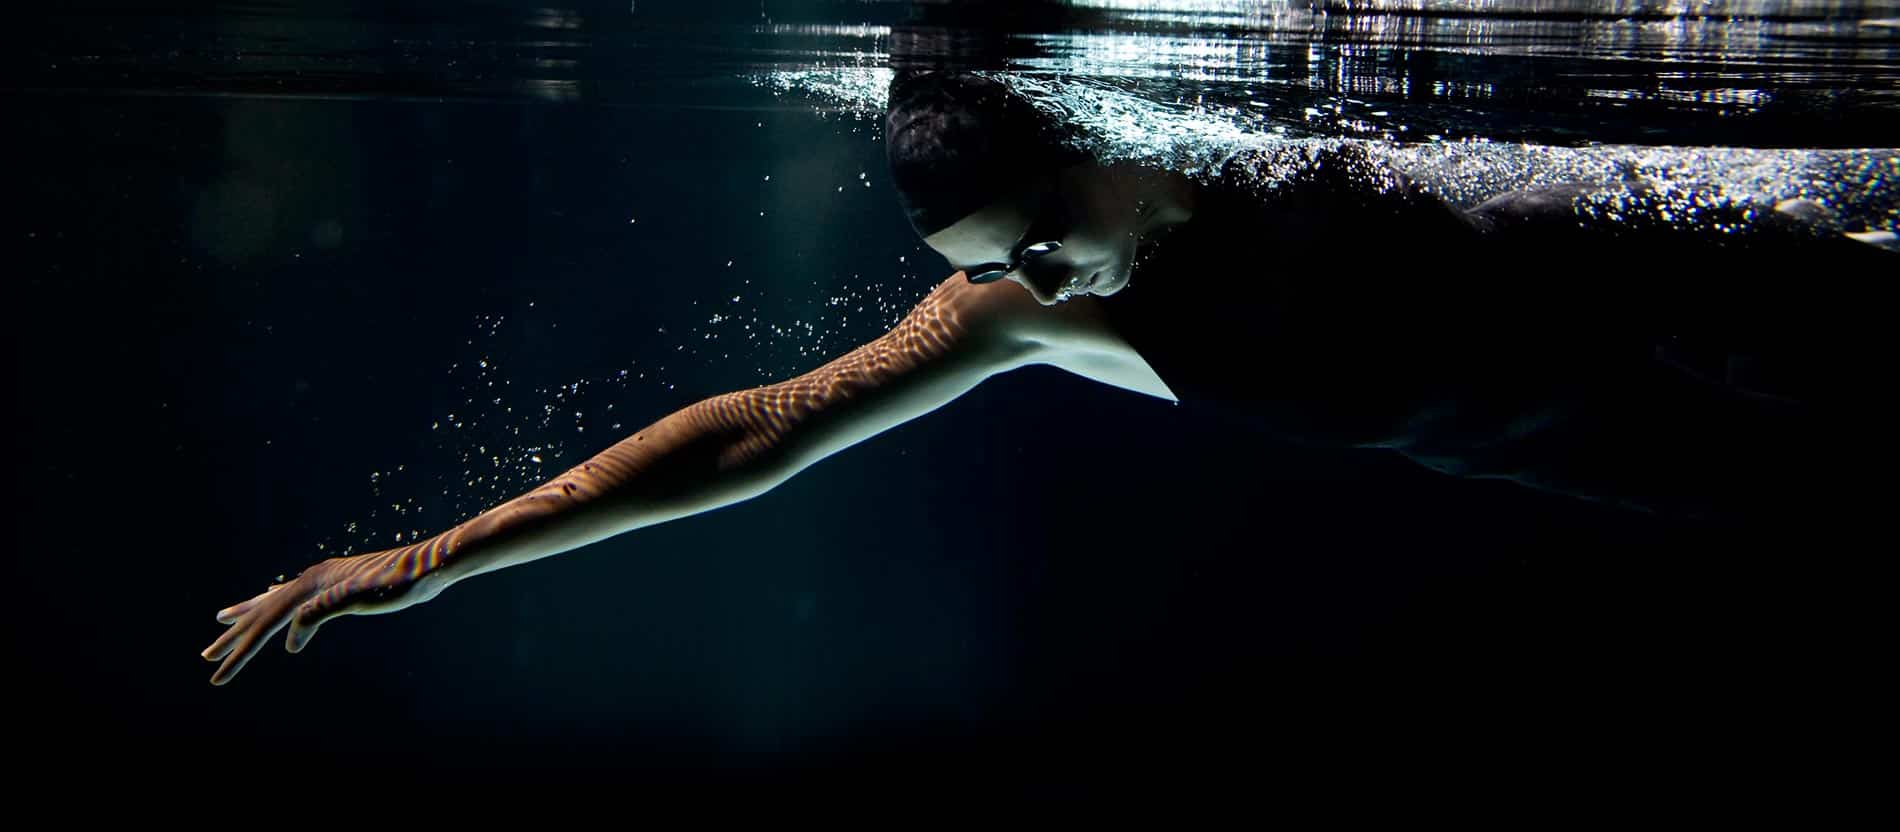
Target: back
{"points": [[1340, 308]]}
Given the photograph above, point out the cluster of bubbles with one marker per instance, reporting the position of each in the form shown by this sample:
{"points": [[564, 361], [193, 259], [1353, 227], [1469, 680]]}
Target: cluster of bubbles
{"points": [[1198, 129], [501, 439], [858, 92], [496, 442], [490, 445], [780, 341], [1860, 188]]}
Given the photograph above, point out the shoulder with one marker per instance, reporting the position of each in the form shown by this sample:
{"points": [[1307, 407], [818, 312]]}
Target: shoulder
{"points": [[1078, 336], [1005, 312]]}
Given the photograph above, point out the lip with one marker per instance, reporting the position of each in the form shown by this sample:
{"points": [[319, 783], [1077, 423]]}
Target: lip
{"points": [[1075, 290]]}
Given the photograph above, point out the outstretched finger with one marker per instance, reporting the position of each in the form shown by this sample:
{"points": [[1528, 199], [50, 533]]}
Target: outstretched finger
{"points": [[236, 611], [246, 647], [220, 648], [233, 613], [239, 626]]}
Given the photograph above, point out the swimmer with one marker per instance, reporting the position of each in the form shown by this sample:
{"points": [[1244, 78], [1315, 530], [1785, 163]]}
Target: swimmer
{"points": [[1323, 296]]}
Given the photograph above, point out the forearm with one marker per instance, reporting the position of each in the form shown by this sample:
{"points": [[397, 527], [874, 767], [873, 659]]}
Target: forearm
{"points": [[708, 455], [728, 448]]}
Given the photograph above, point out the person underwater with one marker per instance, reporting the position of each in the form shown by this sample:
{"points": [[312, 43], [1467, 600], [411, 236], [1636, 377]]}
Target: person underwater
{"points": [[1314, 291]]}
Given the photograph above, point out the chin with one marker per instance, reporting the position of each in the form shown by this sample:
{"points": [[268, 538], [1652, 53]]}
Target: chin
{"points": [[1111, 284]]}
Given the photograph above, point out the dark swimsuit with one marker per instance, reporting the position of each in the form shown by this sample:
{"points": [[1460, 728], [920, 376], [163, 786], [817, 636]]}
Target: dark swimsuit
{"points": [[1513, 341]]}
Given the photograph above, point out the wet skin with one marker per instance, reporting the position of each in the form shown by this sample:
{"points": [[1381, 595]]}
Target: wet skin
{"points": [[737, 445], [1097, 213]]}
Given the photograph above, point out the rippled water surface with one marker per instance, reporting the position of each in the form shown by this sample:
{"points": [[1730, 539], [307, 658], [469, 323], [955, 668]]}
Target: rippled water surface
{"points": [[1758, 73], [1733, 78]]}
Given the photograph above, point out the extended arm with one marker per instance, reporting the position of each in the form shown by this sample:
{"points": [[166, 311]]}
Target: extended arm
{"points": [[711, 454], [738, 445]]}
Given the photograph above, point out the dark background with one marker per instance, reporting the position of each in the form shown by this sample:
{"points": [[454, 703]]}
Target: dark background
{"points": [[225, 312]]}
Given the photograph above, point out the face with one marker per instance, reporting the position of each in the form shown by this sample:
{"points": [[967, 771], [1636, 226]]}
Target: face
{"points": [[1089, 209]]}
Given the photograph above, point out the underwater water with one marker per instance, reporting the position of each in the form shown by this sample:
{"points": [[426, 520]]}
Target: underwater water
{"points": [[291, 280]]}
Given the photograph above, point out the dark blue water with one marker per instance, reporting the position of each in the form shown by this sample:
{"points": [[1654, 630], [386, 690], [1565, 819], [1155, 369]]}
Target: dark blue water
{"points": [[290, 280]]}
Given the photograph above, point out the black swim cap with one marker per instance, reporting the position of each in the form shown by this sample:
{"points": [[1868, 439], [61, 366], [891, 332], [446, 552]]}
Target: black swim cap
{"points": [[957, 142]]}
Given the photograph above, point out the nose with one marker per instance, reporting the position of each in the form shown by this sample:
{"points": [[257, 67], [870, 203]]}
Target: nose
{"points": [[1043, 280], [1046, 297]]}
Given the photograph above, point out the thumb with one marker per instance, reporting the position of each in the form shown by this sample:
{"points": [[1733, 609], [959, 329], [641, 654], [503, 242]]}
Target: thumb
{"points": [[303, 626]]}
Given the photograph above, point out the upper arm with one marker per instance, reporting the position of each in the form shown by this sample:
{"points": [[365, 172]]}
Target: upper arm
{"points": [[1074, 335], [955, 338]]}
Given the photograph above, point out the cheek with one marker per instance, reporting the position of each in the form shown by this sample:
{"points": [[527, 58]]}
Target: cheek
{"points": [[1114, 252], [1101, 245], [1109, 234]]}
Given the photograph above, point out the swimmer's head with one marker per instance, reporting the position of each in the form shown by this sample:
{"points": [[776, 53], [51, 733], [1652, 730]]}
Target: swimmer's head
{"points": [[957, 141], [1001, 190]]}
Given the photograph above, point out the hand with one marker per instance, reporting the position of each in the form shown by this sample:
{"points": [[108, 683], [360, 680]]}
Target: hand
{"points": [[371, 584]]}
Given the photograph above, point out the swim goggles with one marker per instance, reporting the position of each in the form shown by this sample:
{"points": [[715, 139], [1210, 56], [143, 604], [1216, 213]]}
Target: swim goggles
{"points": [[992, 272], [1042, 238]]}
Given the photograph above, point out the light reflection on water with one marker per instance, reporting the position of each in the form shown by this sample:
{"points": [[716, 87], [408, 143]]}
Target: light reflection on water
{"points": [[1712, 54], [1756, 101]]}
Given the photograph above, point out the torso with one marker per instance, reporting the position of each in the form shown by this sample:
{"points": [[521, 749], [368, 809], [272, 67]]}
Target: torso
{"points": [[1382, 318], [1315, 307]]}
